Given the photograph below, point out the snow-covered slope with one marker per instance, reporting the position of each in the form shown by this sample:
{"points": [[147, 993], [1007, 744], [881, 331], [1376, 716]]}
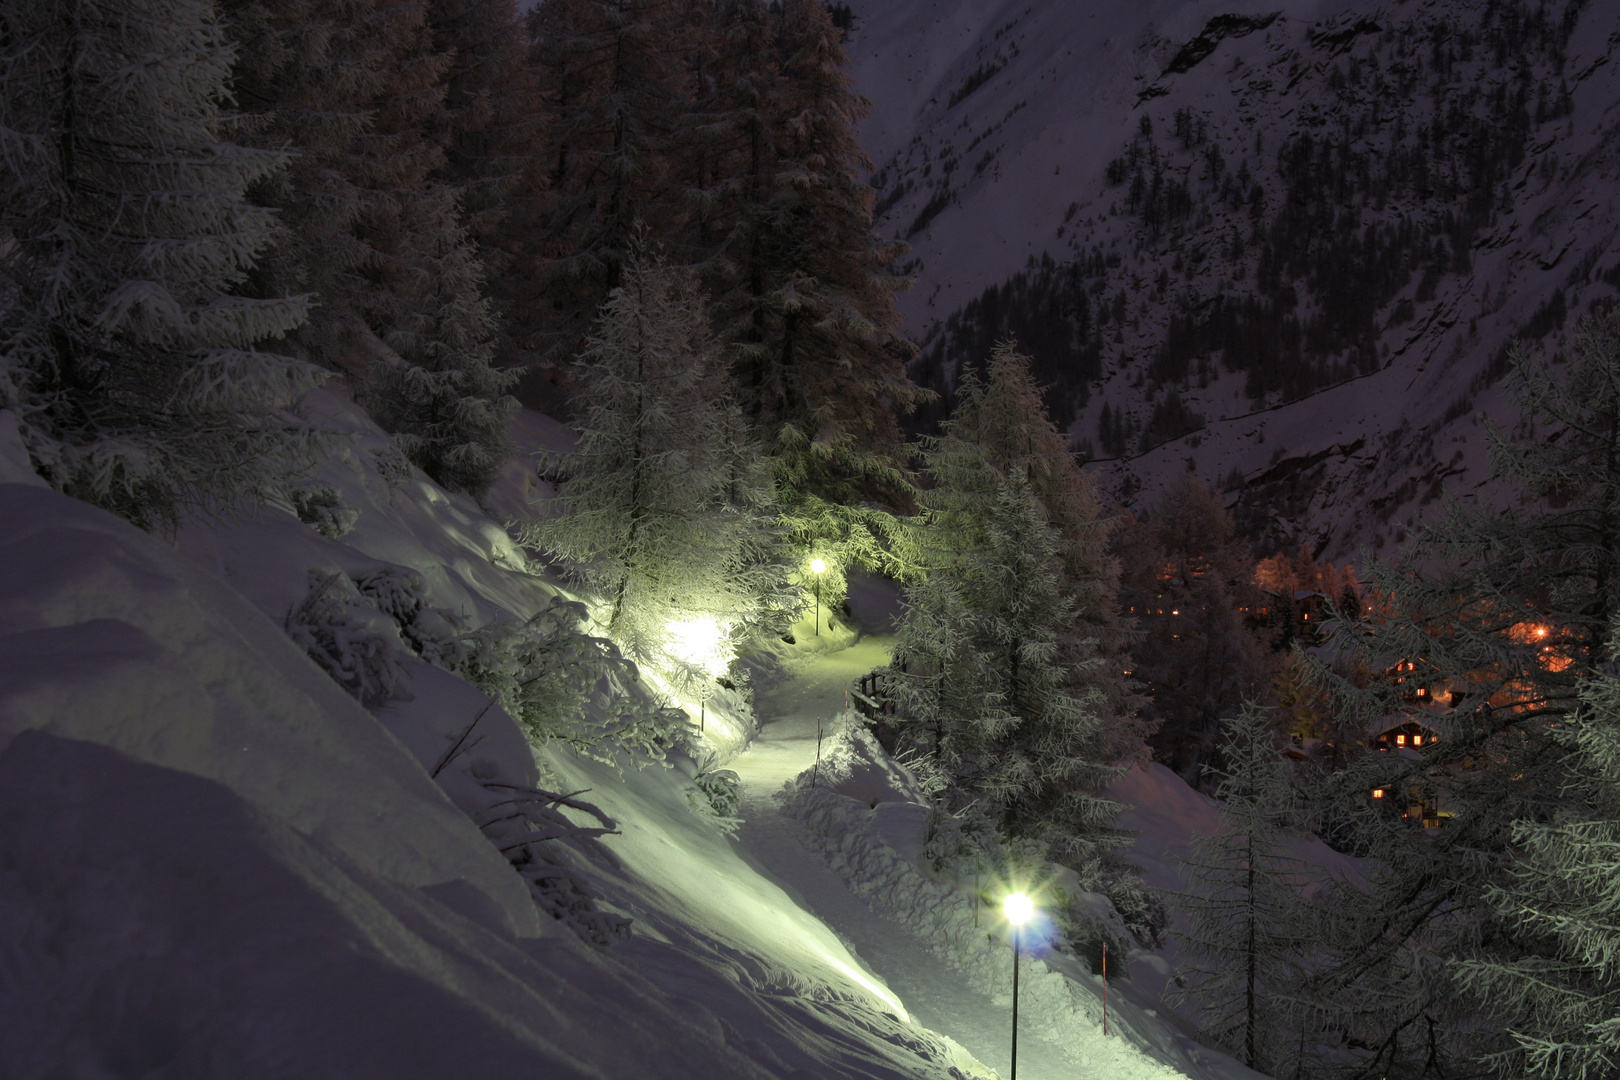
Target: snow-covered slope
{"points": [[1284, 242], [214, 862]]}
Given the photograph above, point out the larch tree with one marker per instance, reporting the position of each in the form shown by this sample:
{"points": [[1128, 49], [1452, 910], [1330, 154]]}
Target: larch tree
{"points": [[637, 515], [1246, 930], [126, 355], [1504, 609]]}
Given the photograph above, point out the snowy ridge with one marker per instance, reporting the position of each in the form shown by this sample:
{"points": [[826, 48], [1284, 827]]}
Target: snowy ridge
{"points": [[993, 130]]}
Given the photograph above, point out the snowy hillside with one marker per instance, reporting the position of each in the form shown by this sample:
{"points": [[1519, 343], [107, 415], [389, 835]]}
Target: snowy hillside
{"points": [[214, 861], [1285, 243]]}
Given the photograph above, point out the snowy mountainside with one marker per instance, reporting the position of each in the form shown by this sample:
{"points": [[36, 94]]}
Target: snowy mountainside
{"points": [[1285, 244]]}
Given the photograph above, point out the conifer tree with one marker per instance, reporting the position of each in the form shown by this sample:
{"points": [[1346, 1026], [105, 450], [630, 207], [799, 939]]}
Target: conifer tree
{"points": [[1505, 608], [638, 514], [125, 353], [1560, 999], [1005, 413], [1246, 932], [752, 540], [942, 684]]}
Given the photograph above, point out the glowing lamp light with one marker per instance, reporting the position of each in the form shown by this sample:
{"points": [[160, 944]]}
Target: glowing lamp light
{"points": [[1018, 908], [818, 566], [700, 642]]}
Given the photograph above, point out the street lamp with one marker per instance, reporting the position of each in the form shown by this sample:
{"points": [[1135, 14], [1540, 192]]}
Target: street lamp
{"points": [[1018, 908], [818, 567]]}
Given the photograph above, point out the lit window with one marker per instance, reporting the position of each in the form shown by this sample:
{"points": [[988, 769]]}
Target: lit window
{"points": [[1378, 793], [1417, 740], [1400, 740]]}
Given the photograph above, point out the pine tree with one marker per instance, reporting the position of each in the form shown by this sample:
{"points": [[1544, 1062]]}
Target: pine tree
{"points": [[761, 566], [1505, 608], [125, 353], [308, 75], [1561, 998], [1246, 931], [638, 514], [446, 405], [816, 329], [1187, 581]]}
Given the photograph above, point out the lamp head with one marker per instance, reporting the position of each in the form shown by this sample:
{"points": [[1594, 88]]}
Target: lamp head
{"points": [[818, 566], [1018, 908]]}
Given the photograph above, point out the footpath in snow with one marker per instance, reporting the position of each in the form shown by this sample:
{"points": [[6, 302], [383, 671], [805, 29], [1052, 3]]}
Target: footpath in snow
{"points": [[957, 990]]}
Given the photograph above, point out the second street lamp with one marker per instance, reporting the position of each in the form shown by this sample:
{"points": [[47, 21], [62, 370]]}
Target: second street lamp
{"points": [[818, 567], [1018, 908]]}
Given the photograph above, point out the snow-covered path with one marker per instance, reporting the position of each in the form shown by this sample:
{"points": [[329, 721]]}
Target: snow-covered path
{"points": [[936, 996]]}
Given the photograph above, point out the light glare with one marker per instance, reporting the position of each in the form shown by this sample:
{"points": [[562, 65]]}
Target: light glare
{"points": [[700, 642], [1018, 908], [818, 566]]}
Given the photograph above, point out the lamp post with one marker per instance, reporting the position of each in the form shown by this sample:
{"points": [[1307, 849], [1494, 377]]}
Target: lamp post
{"points": [[1018, 908], [818, 567]]}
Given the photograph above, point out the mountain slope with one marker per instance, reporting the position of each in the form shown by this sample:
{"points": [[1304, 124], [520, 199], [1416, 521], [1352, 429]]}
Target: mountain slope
{"points": [[1283, 243]]}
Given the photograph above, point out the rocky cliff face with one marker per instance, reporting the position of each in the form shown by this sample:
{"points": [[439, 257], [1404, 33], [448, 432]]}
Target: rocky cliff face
{"points": [[1285, 243]]}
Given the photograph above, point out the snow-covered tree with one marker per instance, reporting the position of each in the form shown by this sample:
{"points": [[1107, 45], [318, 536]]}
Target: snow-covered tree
{"points": [[942, 683], [125, 352], [1004, 411], [814, 323], [1014, 683], [637, 515], [1562, 997], [761, 565], [1246, 932], [445, 405]]}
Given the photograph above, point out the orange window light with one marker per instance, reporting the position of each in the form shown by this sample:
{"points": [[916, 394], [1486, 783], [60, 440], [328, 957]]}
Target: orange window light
{"points": [[1378, 793]]}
